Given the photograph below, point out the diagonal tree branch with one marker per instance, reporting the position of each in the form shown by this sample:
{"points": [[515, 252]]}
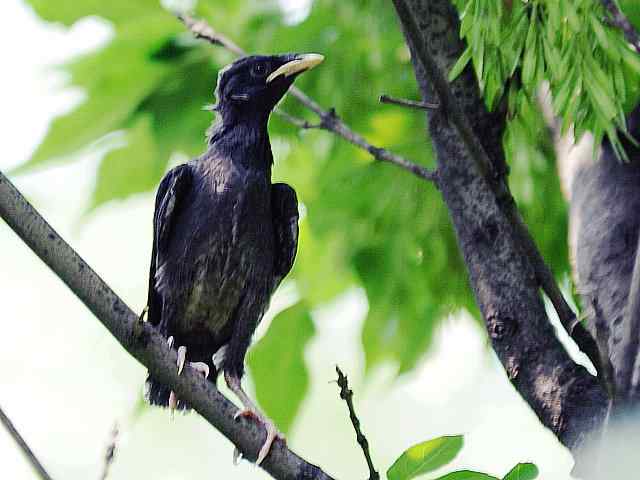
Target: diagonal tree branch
{"points": [[28, 453], [505, 267], [622, 22], [329, 119], [143, 342]]}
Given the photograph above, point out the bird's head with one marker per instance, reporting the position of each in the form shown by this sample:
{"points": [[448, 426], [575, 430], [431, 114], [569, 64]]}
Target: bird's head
{"points": [[252, 86]]}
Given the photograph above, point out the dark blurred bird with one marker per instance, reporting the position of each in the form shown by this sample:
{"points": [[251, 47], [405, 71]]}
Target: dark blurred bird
{"points": [[224, 235]]}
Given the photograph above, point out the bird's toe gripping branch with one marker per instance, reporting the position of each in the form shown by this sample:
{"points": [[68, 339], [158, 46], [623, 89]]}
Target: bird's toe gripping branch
{"points": [[200, 367], [250, 410]]}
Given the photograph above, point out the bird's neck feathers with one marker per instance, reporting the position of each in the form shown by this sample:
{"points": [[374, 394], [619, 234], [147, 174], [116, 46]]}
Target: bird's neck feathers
{"points": [[245, 143]]}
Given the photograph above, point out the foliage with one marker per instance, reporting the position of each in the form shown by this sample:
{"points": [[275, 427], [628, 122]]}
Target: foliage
{"points": [[592, 72], [433, 454], [366, 225]]}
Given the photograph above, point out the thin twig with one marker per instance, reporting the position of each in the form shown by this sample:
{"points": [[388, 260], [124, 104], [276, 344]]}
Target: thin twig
{"points": [[329, 120], [346, 394], [622, 22], [144, 342], [28, 453], [403, 102], [110, 451]]}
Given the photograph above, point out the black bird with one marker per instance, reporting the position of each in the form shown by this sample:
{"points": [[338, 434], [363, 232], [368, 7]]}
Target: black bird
{"points": [[224, 235]]}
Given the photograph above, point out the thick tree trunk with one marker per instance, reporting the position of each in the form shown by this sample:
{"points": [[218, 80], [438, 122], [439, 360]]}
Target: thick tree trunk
{"points": [[605, 216], [564, 396]]}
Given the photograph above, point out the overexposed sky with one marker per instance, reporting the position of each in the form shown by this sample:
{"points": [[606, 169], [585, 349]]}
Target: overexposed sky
{"points": [[64, 381]]}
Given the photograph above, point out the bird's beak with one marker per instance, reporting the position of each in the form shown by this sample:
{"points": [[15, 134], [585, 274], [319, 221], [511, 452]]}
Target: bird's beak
{"points": [[299, 64]]}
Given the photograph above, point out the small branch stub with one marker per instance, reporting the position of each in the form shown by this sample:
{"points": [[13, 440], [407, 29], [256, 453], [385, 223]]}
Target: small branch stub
{"points": [[346, 394]]}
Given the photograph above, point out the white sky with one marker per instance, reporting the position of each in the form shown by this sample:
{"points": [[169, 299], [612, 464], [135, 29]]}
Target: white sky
{"points": [[64, 380]]}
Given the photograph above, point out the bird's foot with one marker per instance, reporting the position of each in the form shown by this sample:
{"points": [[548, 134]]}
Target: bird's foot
{"points": [[269, 426], [182, 355]]}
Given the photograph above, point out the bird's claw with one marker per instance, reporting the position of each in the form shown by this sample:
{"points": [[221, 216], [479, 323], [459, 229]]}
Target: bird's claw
{"points": [[237, 455], [143, 314], [200, 367], [270, 427], [182, 355]]}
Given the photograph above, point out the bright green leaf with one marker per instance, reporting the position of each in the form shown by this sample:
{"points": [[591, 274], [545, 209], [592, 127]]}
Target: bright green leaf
{"points": [[467, 475], [425, 457], [69, 11], [131, 169], [112, 96], [277, 365], [522, 471]]}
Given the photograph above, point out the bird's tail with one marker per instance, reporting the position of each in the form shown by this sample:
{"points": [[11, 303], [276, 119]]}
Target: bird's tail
{"points": [[158, 394]]}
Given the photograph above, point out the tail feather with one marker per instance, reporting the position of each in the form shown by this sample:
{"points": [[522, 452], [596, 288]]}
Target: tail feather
{"points": [[157, 394]]}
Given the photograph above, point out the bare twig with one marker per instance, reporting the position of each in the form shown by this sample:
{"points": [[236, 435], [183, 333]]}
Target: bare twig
{"points": [[143, 342], [622, 22], [110, 451], [403, 102], [346, 394], [329, 120], [28, 453]]}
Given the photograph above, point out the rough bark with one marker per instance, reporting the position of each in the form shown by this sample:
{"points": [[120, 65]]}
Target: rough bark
{"points": [[564, 396], [605, 216]]}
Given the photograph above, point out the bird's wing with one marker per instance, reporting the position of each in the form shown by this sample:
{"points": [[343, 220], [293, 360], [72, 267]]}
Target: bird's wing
{"points": [[169, 202], [285, 223]]}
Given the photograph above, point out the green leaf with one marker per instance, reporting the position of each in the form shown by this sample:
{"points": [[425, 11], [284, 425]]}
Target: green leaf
{"points": [[277, 365], [467, 475], [460, 64], [133, 168], [425, 457], [522, 471], [112, 96], [69, 11]]}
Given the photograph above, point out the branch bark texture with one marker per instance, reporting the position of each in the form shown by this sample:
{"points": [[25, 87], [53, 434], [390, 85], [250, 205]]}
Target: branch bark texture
{"points": [[496, 250], [143, 342]]}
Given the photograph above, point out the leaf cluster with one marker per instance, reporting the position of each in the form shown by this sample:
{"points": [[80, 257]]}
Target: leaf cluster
{"points": [[433, 454], [593, 74]]}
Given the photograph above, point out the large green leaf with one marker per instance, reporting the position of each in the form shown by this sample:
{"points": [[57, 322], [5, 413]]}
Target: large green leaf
{"points": [[522, 471], [126, 170], [425, 457], [277, 365], [467, 475], [116, 80], [69, 11]]}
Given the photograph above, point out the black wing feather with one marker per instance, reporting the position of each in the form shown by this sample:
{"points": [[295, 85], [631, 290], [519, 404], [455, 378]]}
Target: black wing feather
{"points": [[169, 202], [284, 204]]}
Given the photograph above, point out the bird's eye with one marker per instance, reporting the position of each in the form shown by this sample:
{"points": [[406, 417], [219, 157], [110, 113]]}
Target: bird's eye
{"points": [[259, 70]]}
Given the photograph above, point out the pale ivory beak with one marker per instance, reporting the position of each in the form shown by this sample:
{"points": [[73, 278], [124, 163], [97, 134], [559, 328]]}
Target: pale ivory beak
{"points": [[300, 64]]}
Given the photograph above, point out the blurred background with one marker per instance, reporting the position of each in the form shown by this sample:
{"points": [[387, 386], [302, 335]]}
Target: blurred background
{"points": [[98, 101]]}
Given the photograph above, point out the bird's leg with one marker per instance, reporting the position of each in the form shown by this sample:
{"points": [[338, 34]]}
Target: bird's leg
{"points": [[251, 410]]}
